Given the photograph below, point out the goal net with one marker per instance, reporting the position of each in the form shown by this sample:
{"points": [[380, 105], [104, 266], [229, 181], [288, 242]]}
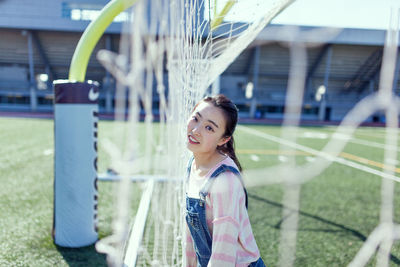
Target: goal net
{"points": [[171, 53]]}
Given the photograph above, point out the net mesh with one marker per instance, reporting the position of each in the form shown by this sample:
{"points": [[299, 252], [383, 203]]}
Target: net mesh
{"points": [[180, 47]]}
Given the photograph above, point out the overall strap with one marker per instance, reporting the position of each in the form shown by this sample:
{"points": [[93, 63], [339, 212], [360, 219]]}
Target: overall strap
{"points": [[189, 166], [218, 171]]}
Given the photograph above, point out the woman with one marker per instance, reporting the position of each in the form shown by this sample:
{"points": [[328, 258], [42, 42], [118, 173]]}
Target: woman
{"points": [[219, 231]]}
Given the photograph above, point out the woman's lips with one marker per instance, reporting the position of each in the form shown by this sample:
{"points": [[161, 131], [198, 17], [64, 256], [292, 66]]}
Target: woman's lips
{"points": [[193, 140]]}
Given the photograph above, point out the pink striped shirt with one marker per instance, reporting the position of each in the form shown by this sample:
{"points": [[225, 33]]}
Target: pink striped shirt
{"points": [[233, 242]]}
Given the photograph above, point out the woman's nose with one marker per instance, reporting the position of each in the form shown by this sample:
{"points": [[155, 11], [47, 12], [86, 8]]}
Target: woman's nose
{"points": [[196, 130]]}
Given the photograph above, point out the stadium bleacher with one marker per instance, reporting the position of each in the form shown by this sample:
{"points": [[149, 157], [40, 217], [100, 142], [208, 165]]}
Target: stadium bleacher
{"points": [[39, 39]]}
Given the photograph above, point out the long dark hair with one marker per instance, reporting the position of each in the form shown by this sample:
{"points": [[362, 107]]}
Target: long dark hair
{"points": [[230, 112]]}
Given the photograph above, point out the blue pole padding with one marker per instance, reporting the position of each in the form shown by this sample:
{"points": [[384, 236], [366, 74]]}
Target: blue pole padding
{"points": [[75, 163]]}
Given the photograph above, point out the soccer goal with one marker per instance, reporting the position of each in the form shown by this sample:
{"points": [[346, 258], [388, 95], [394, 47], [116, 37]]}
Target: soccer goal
{"points": [[172, 53], [180, 48]]}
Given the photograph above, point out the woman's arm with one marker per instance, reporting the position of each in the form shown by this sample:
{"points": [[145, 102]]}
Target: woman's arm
{"points": [[226, 197], [191, 260]]}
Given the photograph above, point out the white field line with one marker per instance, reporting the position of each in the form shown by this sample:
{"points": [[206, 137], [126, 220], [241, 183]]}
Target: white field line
{"points": [[372, 144], [136, 234], [369, 143], [361, 141], [365, 142], [376, 134], [319, 153]]}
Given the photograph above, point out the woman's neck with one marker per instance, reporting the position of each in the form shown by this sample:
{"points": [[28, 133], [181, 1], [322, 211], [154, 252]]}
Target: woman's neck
{"points": [[204, 162]]}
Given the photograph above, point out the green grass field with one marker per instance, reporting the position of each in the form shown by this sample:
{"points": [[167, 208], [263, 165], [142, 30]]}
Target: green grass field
{"points": [[338, 209]]}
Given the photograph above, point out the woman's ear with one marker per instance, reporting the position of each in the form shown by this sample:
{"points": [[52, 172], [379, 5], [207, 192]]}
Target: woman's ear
{"points": [[224, 140]]}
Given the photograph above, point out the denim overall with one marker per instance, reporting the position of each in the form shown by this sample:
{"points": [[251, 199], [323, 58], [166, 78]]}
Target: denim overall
{"points": [[196, 219]]}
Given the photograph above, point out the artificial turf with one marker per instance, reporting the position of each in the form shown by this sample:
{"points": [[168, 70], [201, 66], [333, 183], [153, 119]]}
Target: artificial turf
{"points": [[338, 209]]}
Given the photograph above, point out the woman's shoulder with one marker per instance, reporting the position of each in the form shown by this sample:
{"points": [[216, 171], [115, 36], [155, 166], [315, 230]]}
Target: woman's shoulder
{"points": [[227, 163], [226, 181]]}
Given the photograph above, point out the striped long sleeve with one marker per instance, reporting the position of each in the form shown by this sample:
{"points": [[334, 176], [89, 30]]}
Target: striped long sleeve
{"points": [[191, 260], [233, 243]]}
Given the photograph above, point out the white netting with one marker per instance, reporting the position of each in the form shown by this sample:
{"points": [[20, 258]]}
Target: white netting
{"points": [[188, 39], [194, 42]]}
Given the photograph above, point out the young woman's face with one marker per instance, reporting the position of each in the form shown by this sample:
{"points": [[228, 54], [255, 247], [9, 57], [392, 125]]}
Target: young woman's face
{"points": [[205, 129]]}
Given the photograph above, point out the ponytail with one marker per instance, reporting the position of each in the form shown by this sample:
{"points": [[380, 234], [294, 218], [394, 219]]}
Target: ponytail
{"points": [[229, 149], [230, 112]]}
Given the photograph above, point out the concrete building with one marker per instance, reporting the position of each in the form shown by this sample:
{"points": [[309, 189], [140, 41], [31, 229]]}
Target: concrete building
{"points": [[38, 39]]}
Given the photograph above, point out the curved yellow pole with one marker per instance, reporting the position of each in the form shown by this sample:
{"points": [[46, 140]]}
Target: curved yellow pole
{"points": [[222, 14], [92, 34]]}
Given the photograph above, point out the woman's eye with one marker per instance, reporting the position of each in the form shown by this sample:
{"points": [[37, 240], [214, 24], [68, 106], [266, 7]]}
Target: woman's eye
{"points": [[194, 118], [209, 128]]}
